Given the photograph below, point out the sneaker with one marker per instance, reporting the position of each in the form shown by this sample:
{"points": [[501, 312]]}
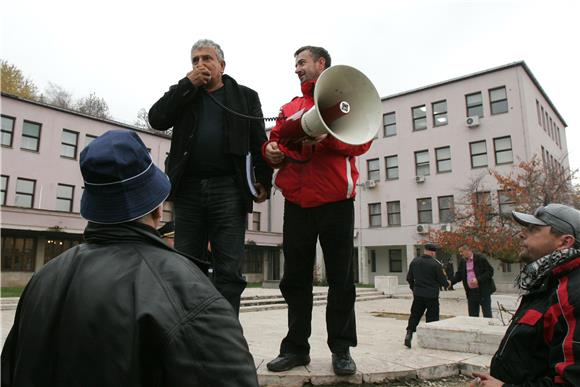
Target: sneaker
{"points": [[343, 364], [287, 361]]}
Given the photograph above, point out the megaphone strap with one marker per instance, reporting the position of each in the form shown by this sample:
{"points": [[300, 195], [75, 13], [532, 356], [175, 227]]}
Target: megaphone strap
{"points": [[287, 152]]}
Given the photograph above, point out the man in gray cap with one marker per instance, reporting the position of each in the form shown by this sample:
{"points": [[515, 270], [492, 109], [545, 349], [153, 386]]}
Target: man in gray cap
{"points": [[425, 277], [541, 346], [124, 309]]}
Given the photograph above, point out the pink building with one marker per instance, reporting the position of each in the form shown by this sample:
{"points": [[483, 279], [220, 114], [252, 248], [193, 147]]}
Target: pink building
{"points": [[437, 138], [41, 188]]}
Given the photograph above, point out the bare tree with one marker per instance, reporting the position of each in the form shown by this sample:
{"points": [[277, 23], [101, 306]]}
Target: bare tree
{"points": [[143, 119], [57, 96], [93, 106]]}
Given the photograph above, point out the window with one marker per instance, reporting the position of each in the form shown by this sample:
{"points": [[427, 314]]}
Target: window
{"points": [[4, 186], [478, 152], [422, 163], [474, 104], [256, 216], [498, 100], [446, 214], [89, 138], [375, 215], [392, 167], [424, 210], [394, 213], [18, 254], [538, 112], [396, 261], [30, 136], [506, 204], [7, 130], [252, 260], [389, 124], [543, 118], [439, 113], [419, 118], [64, 197], [55, 247], [503, 150], [443, 156], [373, 254], [483, 201], [24, 193], [69, 144], [373, 171]]}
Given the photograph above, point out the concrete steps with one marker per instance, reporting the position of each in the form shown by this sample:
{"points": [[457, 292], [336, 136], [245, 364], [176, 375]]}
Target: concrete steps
{"points": [[8, 303], [276, 301]]}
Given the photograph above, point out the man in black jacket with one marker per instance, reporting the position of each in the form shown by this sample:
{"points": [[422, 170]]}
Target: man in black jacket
{"points": [[123, 308], [477, 276], [425, 277], [207, 163], [541, 346]]}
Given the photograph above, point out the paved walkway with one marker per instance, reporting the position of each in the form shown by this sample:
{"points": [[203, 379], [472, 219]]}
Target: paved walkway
{"points": [[380, 354]]}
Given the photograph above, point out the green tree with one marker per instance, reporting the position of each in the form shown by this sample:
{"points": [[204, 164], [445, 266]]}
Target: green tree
{"points": [[14, 82]]}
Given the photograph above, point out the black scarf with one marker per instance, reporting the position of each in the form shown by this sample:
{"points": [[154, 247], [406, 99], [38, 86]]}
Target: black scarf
{"points": [[534, 273]]}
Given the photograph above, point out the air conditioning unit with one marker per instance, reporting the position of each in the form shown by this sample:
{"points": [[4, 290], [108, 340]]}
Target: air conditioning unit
{"points": [[370, 184], [446, 227], [419, 179], [472, 121], [422, 229]]}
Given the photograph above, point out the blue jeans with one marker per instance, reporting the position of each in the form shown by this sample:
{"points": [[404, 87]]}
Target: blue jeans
{"points": [[213, 210]]}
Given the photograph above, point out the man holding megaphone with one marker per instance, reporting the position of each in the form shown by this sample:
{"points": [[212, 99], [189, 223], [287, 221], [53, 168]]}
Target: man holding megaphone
{"points": [[317, 176]]}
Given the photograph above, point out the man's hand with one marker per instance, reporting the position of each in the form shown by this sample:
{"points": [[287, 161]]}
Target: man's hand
{"points": [[485, 380], [199, 76], [473, 282], [262, 194], [274, 154]]}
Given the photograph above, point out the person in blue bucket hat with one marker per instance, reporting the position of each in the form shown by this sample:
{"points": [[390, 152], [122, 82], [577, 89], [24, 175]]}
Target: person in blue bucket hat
{"points": [[123, 308]]}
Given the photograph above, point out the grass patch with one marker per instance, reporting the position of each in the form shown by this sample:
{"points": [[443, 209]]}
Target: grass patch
{"points": [[254, 285], [11, 292], [370, 286]]}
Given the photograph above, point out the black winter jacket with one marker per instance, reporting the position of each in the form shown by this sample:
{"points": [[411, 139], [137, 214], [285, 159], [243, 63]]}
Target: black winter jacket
{"points": [[483, 272], [541, 346], [124, 309], [179, 109], [426, 276]]}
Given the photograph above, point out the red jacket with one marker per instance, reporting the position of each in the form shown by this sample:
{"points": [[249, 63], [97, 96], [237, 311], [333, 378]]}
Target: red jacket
{"points": [[329, 176]]}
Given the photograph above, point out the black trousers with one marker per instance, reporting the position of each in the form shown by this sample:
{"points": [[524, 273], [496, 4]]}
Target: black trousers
{"points": [[333, 224], [420, 304], [475, 299]]}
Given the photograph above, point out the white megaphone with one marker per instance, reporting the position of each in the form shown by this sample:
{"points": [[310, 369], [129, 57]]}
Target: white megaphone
{"points": [[346, 105]]}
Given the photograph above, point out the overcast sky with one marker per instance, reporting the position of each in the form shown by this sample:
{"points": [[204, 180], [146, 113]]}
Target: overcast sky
{"points": [[129, 52]]}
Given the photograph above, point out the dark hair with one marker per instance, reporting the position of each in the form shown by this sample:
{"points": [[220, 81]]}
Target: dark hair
{"points": [[317, 53]]}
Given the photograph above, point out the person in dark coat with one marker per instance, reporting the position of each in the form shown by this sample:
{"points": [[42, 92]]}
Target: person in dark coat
{"points": [[213, 160], [123, 308], [425, 277], [541, 346], [477, 276]]}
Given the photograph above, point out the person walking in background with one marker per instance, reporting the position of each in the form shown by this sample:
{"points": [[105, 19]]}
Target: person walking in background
{"points": [[207, 163], [425, 278], [477, 276]]}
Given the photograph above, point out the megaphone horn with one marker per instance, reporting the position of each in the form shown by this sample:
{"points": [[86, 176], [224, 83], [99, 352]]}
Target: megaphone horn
{"points": [[346, 105]]}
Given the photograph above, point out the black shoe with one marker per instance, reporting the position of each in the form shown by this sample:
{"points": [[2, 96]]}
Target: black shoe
{"points": [[287, 361], [408, 338], [342, 363]]}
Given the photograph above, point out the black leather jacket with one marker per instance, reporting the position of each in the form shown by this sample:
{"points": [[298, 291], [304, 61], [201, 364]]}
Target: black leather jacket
{"points": [[178, 109], [124, 309], [425, 277]]}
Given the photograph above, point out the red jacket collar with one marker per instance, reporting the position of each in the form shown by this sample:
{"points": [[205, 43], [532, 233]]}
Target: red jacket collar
{"points": [[308, 88]]}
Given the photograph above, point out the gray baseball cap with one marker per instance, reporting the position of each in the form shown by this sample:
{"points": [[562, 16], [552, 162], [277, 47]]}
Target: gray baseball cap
{"points": [[561, 217]]}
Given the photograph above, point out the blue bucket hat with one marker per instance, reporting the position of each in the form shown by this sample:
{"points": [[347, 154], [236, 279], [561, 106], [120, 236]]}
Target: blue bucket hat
{"points": [[121, 182]]}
